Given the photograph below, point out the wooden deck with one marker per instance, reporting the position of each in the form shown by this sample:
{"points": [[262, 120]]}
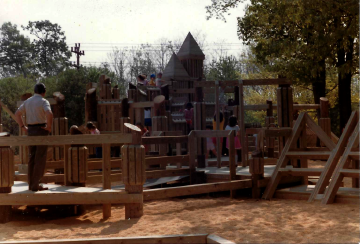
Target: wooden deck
{"points": [[344, 195], [62, 195]]}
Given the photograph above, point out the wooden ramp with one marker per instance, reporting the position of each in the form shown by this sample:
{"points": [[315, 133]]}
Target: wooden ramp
{"points": [[343, 195], [296, 149], [62, 195]]}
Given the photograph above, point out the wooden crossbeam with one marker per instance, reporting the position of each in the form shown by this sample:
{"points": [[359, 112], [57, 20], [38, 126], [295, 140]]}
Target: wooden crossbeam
{"points": [[334, 158], [163, 139], [319, 132], [255, 82], [7, 110], [64, 140]]}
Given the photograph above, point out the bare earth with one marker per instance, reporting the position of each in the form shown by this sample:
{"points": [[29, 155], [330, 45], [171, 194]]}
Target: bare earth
{"points": [[239, 220]]}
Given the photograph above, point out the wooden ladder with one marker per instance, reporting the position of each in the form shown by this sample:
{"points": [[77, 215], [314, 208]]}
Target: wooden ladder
{"points": [[291, 152], [336, 170]]}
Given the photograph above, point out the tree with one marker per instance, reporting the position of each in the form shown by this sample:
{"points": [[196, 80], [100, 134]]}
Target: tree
{"points": [[301, 39], [15, 51], [50, 51]]}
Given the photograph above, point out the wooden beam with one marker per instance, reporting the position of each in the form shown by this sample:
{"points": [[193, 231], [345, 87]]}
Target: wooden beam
{"points": [[65, 139], [141, 104], [154, 194], [213, 239], [176, 239], [322, 155], [68, 197], [300, 171], [167, 159], [163, 139], [256, 82], [276, 132], [319, 132], [241, 120], [182, 91], [155, 174], [217, 114], [210, 133], [6, 109]]}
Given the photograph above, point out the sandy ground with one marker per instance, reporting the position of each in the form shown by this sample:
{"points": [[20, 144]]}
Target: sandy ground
{"points": [[241, 220]]}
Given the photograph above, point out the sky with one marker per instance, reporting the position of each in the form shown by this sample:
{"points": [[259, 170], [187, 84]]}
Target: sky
{"points": [[100, 25]]}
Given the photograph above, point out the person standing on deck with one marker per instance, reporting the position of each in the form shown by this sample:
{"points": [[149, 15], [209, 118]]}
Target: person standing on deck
{"points": [[39, 119]]}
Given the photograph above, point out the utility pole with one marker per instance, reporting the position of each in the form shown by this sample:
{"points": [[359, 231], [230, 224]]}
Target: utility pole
{"points": [[78, 53]]}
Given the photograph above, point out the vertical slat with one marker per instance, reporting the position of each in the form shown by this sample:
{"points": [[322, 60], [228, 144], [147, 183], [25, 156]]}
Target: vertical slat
{"points": [[232, 154], [244, 153], [139, 157], [124, 165], [217, 109], [75, 164], [82, 165], [1, 168], [5, 167], [106, 177], [57, 131], [67, 169], [11, 168], [132, 169], [191, 145]]}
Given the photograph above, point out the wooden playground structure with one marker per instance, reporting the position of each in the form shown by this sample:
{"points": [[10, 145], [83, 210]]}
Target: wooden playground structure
{"points": [[274, 159]]}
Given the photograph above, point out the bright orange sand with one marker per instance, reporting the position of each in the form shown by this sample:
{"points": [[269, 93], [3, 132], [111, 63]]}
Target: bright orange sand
{"points": [[238, 220]]}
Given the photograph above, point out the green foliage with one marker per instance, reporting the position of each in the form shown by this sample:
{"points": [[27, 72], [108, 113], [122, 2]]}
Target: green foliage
{"points": [[50, 52], [15, 51]]}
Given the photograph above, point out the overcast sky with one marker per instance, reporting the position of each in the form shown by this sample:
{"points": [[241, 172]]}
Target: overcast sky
{"points": [[101, 24]]}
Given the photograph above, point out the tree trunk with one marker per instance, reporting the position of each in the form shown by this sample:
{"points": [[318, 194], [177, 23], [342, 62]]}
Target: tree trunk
{"points": [[319, 84], [344, 81]]}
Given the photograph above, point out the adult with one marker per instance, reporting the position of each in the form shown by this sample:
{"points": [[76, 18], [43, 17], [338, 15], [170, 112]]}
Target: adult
{"points": [[142, 80], [39, 120]]}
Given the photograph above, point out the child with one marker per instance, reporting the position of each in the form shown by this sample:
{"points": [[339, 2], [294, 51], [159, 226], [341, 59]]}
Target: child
{"points": [[147, 118], [141, 80], [94, 131], [188, 115], [233, 126], [144, 132], [222, 121], [152, 80], [210, 143], [158, 80]]}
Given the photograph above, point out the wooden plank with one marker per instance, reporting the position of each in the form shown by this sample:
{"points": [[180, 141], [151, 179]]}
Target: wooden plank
{"points": [[276, 132], [275, 178], [176, 239], [163, 139], [213, 239], [319, 132], [7, 110], [252, 82], [210, 133], [56, 198], [141, 105], [242, 125], [65, 139], [106, 177], [155, 174], [322, 155], [74, 164], [354, 173], [217, 113], [182, 91], [4, 169], [167, 160], [154, 194], [354, 155], [300, 171]]}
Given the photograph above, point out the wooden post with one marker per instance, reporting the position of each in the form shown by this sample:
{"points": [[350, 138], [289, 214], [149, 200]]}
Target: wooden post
{"points": [[6, 178], [160, 121], [77, 165], [324, 121], [106, 179], [217, 109], [284, 110], [303, 146], [90, 105], [58, 109], [244, 153], [232, 157], [236, 96], [191, 150], [269, 122], [133, 171], [256, 169], [200, 124]]}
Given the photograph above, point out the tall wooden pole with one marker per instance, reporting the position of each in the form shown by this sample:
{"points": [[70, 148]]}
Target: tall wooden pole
{"points": [[218, 149], [242, 125]]}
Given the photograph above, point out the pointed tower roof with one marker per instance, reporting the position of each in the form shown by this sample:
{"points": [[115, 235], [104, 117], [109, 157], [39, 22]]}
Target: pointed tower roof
{"points": [[175, 70], [190, 49]]}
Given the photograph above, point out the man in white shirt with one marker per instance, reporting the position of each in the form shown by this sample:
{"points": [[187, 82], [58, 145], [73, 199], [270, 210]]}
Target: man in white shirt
{"points": [[158, 81], [39, 121]]}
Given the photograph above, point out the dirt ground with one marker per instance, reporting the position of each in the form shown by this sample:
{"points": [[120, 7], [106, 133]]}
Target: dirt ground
{"points": [[238, 220]]}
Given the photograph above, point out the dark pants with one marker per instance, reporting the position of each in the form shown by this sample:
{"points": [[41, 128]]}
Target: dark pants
{"points": [[37, 158]]}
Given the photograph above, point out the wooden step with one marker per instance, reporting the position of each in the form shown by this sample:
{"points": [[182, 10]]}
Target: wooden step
{"points": [[322, 155], [354, 155], [354, 173], [300, 171]]}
